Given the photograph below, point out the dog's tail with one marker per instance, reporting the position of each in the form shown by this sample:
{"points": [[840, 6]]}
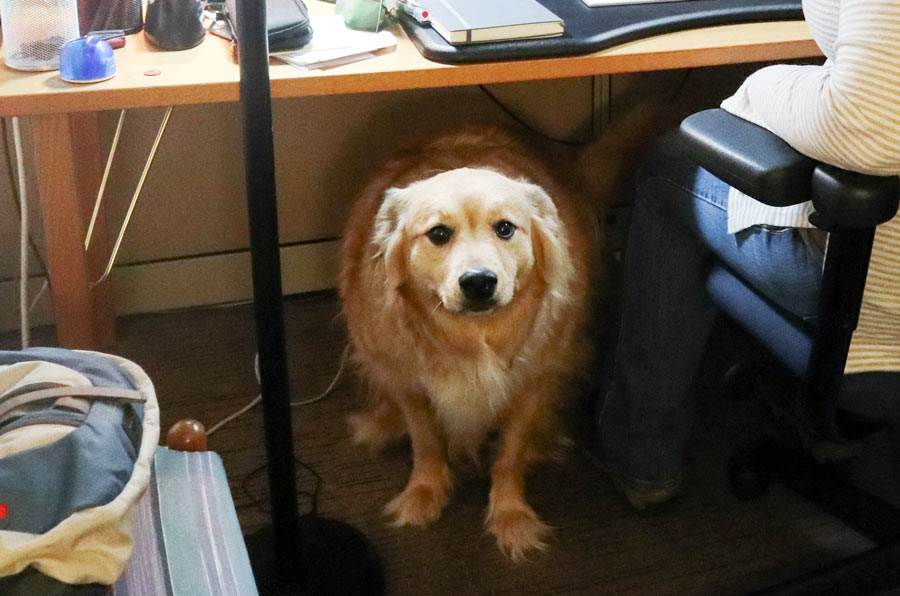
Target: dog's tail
{"points": [[608, 163]]}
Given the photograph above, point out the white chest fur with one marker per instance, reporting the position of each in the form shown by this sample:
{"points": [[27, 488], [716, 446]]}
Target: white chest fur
{"points": [[468, 397]]}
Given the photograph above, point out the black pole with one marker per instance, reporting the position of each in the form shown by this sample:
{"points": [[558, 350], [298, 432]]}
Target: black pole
{"points": [[259, 156], [296, 555]]}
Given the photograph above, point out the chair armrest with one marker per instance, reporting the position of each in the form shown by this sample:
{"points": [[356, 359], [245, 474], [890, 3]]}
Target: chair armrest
{"points": [[853, 200], [760, 164], [748, 157]]}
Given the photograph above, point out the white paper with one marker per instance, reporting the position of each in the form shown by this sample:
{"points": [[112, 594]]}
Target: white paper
{"points": [[334, 44]]}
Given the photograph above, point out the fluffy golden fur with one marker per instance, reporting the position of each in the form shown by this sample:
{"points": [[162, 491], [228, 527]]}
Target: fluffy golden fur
{"points": [[449, 375]]}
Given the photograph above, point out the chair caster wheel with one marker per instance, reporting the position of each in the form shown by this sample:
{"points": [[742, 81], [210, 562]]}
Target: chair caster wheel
{"points": [[748, 476]]}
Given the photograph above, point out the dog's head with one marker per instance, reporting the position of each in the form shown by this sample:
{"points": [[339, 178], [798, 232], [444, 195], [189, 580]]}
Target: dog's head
{"points": [[468, 239]]}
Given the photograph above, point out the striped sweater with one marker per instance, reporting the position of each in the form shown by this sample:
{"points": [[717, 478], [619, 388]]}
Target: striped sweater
{"points": [[846, 113]]}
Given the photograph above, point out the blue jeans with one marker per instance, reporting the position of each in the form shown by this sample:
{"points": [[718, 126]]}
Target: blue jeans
{"points": [[678, 229]]}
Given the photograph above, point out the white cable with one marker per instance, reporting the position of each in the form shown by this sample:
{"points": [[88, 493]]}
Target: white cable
{"points": [[109, 160], [37, 296], [231, 417], [24, 324], [294, 404], [330, 387], [134, 198]]}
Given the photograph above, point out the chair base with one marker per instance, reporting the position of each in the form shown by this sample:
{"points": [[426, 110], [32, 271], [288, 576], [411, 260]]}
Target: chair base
{"points": [[874, 571], [867, 514], [330, 558]]}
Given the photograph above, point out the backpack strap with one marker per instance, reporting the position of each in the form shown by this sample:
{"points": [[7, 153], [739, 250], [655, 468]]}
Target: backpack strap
{"points": [[15, 400]]}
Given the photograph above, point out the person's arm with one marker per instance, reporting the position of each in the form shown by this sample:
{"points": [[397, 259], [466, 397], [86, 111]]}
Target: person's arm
{"points": [[847, 111]]}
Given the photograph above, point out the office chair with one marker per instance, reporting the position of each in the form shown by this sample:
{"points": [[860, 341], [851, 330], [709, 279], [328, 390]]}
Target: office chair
{"points": [[849, 206]]}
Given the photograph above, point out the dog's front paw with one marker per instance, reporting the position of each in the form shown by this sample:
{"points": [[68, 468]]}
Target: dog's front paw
{"points": [[418, 505], [518, 531]]}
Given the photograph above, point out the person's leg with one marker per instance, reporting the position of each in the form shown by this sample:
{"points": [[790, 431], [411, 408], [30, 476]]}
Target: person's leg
{"points": [[665, 321], [679, 223]]}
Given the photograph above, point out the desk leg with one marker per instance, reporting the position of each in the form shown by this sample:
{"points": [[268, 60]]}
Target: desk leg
{"points": [[69, 165]]}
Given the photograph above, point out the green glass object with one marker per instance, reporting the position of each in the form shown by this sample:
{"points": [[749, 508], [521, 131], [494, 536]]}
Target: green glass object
{"points": [[364, 15]]}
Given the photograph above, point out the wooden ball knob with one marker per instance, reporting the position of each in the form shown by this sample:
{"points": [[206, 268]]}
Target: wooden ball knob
{"points": [[187, 435]]}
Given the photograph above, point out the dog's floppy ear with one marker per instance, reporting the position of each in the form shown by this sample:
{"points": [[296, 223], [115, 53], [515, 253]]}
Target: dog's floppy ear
{"points": [[387, 235], [551, 248]]}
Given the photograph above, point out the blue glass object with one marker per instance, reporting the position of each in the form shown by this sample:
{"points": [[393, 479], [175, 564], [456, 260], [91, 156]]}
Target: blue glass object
{"points": [[87, 59]]}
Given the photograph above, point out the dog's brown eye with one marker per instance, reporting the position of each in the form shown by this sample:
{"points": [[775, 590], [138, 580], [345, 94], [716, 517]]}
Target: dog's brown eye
{"points": [[439, 234], [504, 229]]}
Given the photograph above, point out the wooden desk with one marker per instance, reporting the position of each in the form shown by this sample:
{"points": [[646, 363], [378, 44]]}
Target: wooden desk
{"points": [[70, 160]]}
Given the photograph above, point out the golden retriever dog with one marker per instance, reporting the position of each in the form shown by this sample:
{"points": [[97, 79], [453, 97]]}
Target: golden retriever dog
{"points": [[465, 281]]}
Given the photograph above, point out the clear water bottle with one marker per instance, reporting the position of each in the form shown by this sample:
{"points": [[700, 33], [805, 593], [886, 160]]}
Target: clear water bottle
{"points": [[35, 30]]}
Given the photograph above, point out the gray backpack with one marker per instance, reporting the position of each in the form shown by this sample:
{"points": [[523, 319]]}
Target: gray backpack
{"points": [[77, 435]]}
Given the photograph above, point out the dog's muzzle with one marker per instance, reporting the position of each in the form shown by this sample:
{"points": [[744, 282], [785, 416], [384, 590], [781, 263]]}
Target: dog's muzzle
{"points": [[478, 286]]}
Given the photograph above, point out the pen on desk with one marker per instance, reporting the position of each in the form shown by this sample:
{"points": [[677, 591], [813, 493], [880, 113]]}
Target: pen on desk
{"points": [[115, 37]]}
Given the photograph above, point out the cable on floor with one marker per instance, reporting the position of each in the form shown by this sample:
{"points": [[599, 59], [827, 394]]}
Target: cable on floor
{"points": [[246, 408], [313, 495]]}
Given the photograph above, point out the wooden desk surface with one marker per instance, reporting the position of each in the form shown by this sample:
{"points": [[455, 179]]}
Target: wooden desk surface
{"points": [[208, 74]]}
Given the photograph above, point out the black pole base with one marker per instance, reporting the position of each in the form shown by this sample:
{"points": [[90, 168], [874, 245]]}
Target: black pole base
{"points": [[330, 557]]}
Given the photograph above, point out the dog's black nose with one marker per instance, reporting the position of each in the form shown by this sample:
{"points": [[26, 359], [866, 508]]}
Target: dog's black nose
{"points": [[478, 285]]}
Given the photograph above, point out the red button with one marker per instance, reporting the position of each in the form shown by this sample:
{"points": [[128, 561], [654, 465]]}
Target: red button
{"points": [[4, 510]]}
